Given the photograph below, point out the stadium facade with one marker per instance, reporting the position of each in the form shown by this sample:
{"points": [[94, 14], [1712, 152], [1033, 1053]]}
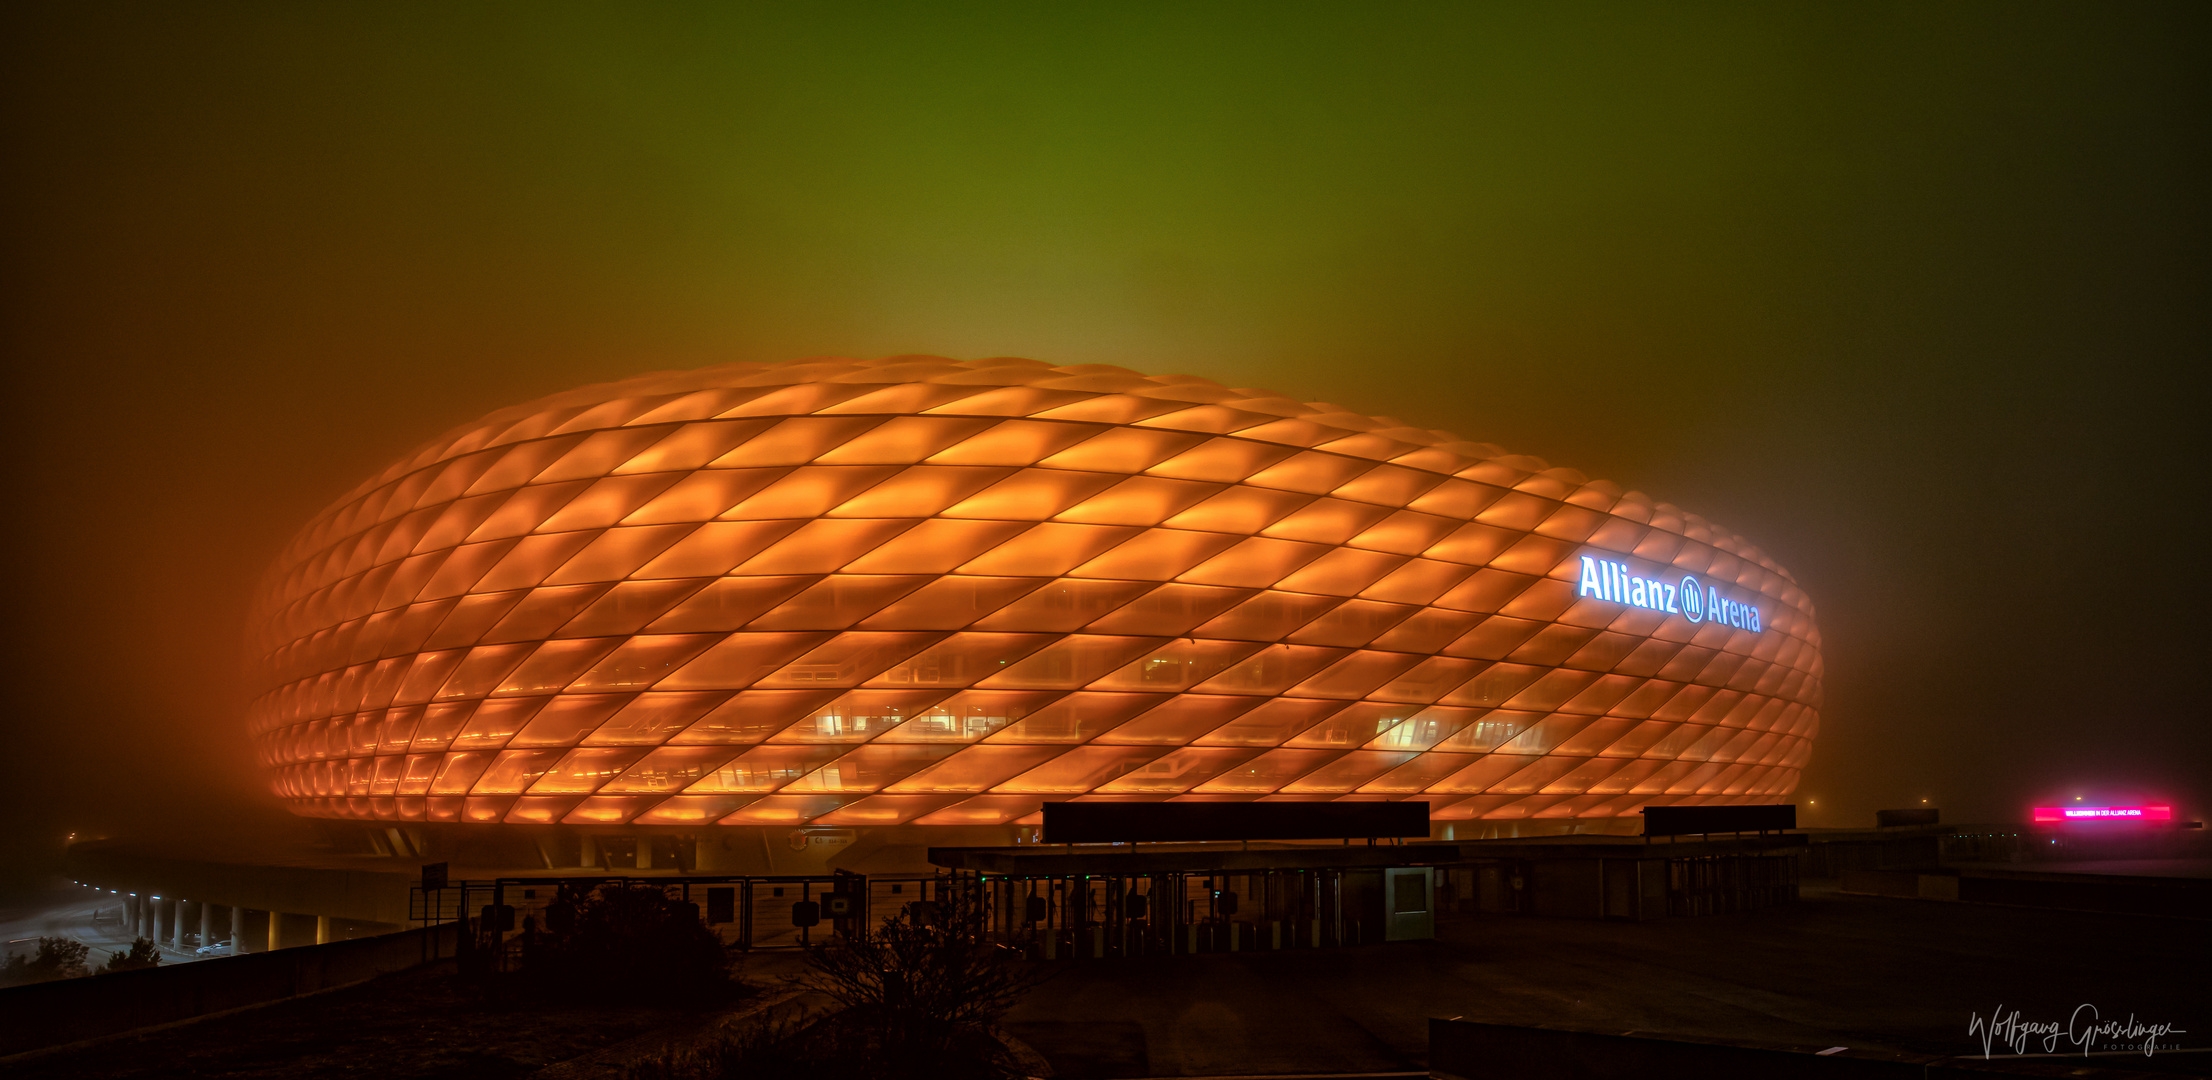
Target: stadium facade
{"points": [[923, 593]]}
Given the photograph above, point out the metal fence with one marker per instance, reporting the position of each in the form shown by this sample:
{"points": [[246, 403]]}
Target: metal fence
{"points": [[1617, 887], [1096, 916], [1046, 917], [505, 915]]}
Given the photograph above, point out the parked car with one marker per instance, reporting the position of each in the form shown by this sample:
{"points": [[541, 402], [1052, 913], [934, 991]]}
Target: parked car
{"points": [[220, 948]]}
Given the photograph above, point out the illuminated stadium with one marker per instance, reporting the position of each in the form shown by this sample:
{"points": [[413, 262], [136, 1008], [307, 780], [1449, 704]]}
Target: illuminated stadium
{"points": [[926, 592]]}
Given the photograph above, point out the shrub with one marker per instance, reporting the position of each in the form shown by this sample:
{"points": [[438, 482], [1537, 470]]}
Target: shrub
{"points": [[56, 958], [143, 954], [921, 990], [918, 995], [630, 942]]}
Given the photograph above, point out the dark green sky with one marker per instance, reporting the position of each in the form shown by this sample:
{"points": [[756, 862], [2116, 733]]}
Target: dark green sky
{"points": [[1913, 295]]}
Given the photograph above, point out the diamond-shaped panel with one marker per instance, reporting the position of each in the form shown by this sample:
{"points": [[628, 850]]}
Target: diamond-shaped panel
{"points": [[944, 592]]}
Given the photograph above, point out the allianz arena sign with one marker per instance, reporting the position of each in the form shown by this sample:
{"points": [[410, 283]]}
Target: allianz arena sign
{"points": [[1693, 600]]}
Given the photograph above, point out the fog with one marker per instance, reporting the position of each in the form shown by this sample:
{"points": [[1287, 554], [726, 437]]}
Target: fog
{"points": [[1914, 297]]}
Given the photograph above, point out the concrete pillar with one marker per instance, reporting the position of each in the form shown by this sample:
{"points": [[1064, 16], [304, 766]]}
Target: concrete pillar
{"points": [[207, 924], [153, 919], [176, 924], [645, 853], [287, 929], [590, 856], [257, 933], [324, 932], [237, 930], [137, 902]]}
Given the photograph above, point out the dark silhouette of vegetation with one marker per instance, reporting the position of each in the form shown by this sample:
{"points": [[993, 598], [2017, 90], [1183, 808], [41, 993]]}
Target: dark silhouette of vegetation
{"points": [[919, 981], [56, 958], [143, 954], [627, 942], [919, 996]]}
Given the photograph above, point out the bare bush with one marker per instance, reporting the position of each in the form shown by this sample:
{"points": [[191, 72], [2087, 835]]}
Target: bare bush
{"points": [[921, 989], [917, 998]]}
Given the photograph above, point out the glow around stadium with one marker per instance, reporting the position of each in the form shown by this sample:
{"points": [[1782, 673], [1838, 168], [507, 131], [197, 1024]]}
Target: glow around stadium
{"points": [[1690, 598]]}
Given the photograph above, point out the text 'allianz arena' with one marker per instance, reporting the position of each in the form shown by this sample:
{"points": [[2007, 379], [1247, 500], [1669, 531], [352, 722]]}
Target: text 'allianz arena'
{"points": [[922, 591]]}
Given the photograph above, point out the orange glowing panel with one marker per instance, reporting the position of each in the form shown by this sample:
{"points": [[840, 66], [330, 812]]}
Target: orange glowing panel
{"points": [[935, 592]]}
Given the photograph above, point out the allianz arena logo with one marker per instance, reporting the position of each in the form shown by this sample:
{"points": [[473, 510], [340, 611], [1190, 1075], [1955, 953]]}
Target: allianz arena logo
{"points": [[1690, 598]]}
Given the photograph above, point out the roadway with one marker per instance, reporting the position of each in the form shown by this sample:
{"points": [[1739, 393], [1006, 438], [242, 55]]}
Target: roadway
{"points": [[94, 917]]}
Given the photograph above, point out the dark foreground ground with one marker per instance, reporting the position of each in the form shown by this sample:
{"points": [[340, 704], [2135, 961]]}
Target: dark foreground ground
{"points": [[423, 1025], [1832, 970]]}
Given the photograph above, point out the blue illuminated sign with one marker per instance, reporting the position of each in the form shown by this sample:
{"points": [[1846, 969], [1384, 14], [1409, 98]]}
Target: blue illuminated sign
{"points": [[1690, 598]]}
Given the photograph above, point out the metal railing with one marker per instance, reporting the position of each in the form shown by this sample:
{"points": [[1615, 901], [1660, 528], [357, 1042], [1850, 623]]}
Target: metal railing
{"points": [[1047, 917], [504, 916], [1098, 916]]}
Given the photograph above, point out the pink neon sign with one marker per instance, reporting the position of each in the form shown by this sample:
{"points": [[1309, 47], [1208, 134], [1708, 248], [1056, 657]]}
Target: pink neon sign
{"points": [[2104, 813]]}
